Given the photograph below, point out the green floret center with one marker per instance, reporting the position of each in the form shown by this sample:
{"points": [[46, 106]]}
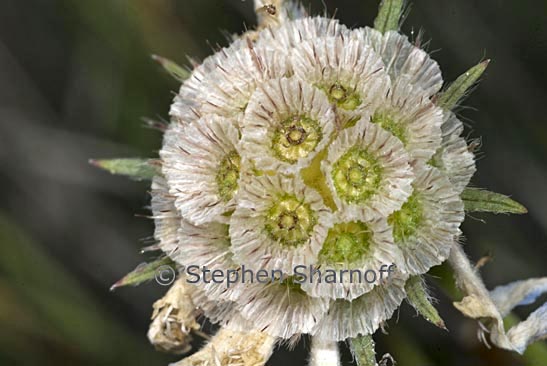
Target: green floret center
{"points": [[343, 97], [346, 243], [356, 175], [292, 285], [390, 124], [290, 221], [228, 176], [295, 138], [436, 160], [407, 220]]}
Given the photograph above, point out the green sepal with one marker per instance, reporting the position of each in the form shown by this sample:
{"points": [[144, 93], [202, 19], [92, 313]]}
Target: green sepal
{"points": [[176, 71], [418, 297], [363, 351], [389, 15], [143, 273], [480, 200], [460, 87], [135, 168]]}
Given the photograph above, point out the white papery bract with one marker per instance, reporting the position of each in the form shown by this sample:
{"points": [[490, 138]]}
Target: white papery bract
{"points": [[283, 39], [454, 157], [165, 215], [428, 223], [208, 247], [202, 167], [226, 80], [186, 107], [286, 123], [348, 319], [223, 312], [230, 86], [282, 309], [408, 114], [347, 70], [279, 223], [401, 57], [306, 144], [368, 171], [353, 245]]}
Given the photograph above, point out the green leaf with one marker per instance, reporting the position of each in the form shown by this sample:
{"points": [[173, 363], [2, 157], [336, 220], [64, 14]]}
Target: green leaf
{"points": [[134, 168], [420, 300], [479, 200], [389, 15], [363, 350], [172, 68], [144, 272], [459, 88]]}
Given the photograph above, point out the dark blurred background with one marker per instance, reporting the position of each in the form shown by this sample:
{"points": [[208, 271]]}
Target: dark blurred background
{"points": [[76, 79]]}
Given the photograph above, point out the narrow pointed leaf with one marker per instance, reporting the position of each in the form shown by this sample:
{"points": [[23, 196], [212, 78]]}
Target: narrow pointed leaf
{"points": [[479, 200], [389, 15], [460, 87], [172, 68], [144, 272], [138, 169], [363, 350], [420, 300]]}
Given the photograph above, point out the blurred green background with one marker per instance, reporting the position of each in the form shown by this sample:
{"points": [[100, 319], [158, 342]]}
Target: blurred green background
{"points": [[76, 79]]}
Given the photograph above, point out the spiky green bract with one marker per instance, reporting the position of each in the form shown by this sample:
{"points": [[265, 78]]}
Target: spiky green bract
{"points": [[134, 168], [144, 272], [480, 200], [389, 15], [179, 73], [363, 350], [421, 301], [460, 87]]}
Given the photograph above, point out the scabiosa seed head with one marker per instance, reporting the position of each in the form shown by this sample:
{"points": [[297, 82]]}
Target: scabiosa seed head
{"points": [[307, 144]]}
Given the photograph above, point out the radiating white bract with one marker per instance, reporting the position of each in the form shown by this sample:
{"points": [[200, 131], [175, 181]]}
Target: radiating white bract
{"points": [[407, 113], [347, 69], [282, 309], [207, 247], [165, 215], [286, 123], [368, 171], [348, 319], [186, 107], [401, 57], [354, 245], [428, 223], [279, 223], [292, 34], [194, 156], [230, 86], [454, 157]]}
